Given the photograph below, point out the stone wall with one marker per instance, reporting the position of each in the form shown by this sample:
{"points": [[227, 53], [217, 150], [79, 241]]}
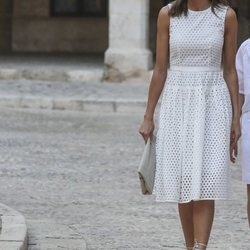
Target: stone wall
{"points": [[244, 20], [32, 18], [5, 25], [155, 7], [35, 30]]}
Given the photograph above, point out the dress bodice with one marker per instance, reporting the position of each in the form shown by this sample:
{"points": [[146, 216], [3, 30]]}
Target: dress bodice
{"points": [[196, 40]]}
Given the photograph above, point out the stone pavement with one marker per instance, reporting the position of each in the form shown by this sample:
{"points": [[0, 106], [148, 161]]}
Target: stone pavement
{"points": [[51, 67], [13, 229], [66, 82], [95, 96], [73, 175]]}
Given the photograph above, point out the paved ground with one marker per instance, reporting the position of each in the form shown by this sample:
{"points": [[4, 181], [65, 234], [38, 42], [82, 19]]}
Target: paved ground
{"points": [[52, 67], [94, 96], [66, 81], [91, 91], [73, 176]]}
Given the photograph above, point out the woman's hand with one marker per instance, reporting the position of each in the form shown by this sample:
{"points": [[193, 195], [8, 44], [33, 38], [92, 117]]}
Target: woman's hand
{"points": [[147, 128], [235, 135]]}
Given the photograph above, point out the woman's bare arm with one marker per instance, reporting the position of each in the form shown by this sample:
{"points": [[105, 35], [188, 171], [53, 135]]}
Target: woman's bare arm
{"points": [[159, 74], [160, 70], [230, 76], [230, 49]]}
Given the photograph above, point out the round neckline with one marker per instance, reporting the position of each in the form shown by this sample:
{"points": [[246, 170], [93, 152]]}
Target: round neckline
{"points": [[200, 11]]}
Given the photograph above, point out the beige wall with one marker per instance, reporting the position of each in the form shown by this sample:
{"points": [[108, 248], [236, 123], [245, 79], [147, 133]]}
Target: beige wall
{"points": [[5, 25], [35, 30]]}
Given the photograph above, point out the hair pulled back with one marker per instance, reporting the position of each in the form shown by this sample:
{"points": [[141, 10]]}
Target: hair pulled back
{"points": [[180, 6]]}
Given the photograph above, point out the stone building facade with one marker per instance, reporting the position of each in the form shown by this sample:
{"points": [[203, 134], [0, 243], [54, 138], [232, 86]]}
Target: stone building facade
{"points": [[5, 25], [123, 31]]}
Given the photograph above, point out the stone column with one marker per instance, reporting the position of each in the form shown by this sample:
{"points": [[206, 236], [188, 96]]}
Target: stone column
{"points": [[128, 54]]}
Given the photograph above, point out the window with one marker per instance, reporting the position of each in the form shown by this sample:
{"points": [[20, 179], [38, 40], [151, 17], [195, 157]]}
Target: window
{"points": [[79, 7]]}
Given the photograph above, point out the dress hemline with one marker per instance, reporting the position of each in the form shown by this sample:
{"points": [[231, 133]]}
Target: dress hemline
{"points": [[183, 202]]}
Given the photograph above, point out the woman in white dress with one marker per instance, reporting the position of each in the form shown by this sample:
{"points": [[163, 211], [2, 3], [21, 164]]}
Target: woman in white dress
{"points": [[243, 69], [199, 116]]}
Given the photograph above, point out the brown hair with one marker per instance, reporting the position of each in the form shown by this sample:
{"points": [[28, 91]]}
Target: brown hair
{"points": [[180, 6]]}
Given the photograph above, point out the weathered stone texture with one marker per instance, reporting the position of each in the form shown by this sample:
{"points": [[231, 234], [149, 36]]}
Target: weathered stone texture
{"points": [[35, 30], [128, 54], [31, 8], [59, 35]]}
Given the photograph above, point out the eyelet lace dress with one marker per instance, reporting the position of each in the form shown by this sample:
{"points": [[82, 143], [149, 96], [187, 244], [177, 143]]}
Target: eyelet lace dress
{"points": [[193, 138]]}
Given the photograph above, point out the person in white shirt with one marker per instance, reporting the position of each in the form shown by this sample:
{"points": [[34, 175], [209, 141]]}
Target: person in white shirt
{"points": [[243, 69]]}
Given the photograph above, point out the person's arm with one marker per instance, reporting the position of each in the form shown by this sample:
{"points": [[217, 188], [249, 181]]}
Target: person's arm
{"points": [[244, 76], [241, 102], [159, 74], [230, 76], [240, 72]]}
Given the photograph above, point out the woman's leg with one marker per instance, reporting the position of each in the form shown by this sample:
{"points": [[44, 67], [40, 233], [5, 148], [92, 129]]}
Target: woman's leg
{"points": [[203, 217], [186, 216], [248, 203]]}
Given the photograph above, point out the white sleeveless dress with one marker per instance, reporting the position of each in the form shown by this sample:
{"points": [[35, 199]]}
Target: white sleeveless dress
{"points": [[193, 138]]}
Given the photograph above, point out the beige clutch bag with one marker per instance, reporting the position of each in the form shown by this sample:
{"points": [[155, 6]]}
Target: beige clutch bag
{"points": [[146, 168]]}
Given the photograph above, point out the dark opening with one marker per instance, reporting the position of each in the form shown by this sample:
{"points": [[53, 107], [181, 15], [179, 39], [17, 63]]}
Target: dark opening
{"points": [[79, 8]]}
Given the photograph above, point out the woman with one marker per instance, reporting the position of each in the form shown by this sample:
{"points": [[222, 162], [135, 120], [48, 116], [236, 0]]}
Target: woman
{"points": [[199, 110], [243, 70]]}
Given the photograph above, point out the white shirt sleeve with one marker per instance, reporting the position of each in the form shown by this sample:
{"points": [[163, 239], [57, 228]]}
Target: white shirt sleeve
{"points": [[246, 70], [243, 71], [240, 68]]}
